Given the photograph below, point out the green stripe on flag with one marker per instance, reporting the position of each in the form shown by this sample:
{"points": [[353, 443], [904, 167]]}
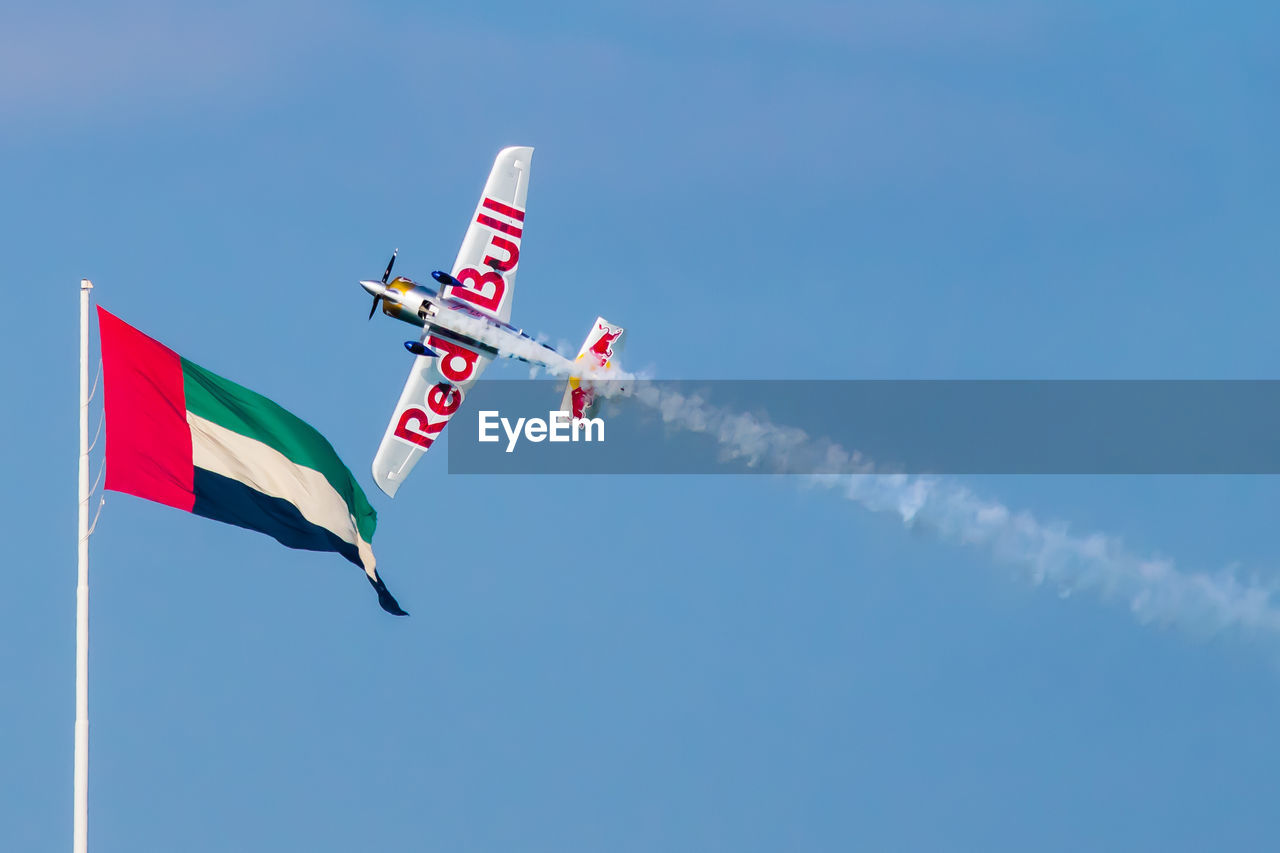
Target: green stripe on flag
{"points": [[236, 408]]}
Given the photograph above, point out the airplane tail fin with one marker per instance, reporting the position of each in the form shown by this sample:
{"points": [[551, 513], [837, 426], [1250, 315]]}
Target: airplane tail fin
{"points": [[599, 353]]}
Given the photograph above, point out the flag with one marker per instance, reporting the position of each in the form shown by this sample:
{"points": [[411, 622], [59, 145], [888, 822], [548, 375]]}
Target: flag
{"points": [[182, 436]]}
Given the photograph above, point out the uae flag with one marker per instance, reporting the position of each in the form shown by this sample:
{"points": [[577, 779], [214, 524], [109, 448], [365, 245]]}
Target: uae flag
{"points": [[182, 436]]}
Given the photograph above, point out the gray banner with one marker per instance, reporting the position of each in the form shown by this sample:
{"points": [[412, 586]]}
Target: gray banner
{"points": [[913, 427]]}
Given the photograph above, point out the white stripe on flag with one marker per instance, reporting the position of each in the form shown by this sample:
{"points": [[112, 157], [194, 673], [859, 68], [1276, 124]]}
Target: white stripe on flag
{"points": [[258, 466]]}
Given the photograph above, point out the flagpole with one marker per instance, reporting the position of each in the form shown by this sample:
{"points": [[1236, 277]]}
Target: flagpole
{"points": [[80, 831]]}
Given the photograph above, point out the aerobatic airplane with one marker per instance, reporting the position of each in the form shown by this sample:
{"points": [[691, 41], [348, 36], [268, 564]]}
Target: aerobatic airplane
{"points": [[465, 326]]}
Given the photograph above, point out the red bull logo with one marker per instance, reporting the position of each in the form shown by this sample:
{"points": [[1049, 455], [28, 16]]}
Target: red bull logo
{"points": [[602, 349], [487, 289], [580, 398]]}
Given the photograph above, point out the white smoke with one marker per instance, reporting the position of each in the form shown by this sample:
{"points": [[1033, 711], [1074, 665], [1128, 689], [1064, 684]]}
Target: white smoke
{"points": [[1156, 591]]}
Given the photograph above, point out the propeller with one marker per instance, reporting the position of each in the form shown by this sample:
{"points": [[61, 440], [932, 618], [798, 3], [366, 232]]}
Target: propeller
{"points": [[385, 275]]}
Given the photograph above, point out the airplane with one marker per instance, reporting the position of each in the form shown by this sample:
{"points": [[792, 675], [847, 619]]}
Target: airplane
{"points": [[465, 323]]}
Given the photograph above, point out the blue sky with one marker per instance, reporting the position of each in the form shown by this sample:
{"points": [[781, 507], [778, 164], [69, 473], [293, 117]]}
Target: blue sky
{"points": [[1004, 190]]}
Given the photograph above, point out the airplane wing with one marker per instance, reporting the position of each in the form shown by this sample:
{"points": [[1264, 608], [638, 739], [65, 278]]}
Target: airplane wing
{"points": [[486, 264], [434, 391], [490, 251]]}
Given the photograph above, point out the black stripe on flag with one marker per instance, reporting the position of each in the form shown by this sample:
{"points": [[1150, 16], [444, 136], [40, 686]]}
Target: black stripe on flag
{"points": [[232, 502]]}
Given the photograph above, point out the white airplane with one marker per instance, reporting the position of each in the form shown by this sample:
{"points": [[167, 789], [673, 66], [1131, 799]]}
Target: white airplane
{"points": [[465, 326]]}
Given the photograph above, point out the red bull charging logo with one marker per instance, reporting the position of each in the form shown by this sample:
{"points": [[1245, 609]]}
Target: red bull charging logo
{"points": [[602, 349]]}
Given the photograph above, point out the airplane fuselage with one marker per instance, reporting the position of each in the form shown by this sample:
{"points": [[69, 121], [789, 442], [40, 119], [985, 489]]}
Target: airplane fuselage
{"points": [[444, 316]]}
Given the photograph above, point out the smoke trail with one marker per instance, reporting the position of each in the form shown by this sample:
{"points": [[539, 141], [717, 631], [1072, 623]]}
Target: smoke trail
{"points": [[1154, 589]]}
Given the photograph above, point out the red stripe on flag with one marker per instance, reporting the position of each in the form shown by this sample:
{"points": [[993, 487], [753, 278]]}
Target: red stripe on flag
{"points": [[148, 440]]}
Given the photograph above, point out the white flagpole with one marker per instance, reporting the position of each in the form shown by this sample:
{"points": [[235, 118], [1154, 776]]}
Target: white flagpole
{"points": [[80, 830]]}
